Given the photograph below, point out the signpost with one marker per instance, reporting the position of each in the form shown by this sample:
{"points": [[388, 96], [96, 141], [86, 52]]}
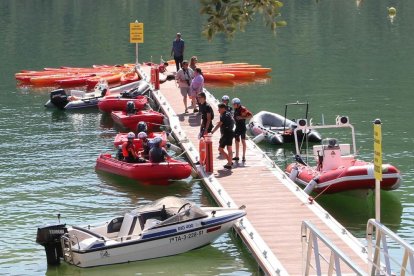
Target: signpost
{"points": [[377, 167], [136, 35]]}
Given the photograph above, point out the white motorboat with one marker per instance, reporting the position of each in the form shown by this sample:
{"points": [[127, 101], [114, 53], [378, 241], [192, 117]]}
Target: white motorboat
{"points": [[78, 99], [165, 227]]}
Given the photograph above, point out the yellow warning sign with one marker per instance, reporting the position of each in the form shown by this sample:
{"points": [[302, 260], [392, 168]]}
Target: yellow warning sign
{"points": [[377, 152], [136, 32]]}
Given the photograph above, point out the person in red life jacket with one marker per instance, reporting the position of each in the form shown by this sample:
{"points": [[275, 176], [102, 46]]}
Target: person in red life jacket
{"points": [[241, 114], [226, 128], [158, 154], [129, 150]]}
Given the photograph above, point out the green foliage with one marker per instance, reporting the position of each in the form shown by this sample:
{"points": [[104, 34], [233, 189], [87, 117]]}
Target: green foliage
{"points": [[229, 16]]}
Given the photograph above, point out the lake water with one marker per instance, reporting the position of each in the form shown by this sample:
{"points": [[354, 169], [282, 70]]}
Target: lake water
{"points": [[343, 58]]}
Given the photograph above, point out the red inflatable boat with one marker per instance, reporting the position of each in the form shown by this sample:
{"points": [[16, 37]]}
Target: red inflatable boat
{"points": [[337, 169], [117, 103], [152, 118], [147, 173], [122, 137]]}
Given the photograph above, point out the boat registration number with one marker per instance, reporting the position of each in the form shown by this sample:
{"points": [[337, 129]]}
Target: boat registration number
{"points": [[187, 236]]}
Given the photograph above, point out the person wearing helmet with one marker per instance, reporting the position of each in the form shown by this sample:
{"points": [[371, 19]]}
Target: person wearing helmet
{"points": [[158, 154], [226, 128], [142, 127], [129, 150], [226, 100], [241, 114], [130, 108], [146, 144]]}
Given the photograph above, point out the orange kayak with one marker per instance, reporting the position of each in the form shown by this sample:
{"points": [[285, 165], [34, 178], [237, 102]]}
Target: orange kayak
{"points": [[238, 74], [208, 76], [110, 78], [129, 77], [256, 70]]}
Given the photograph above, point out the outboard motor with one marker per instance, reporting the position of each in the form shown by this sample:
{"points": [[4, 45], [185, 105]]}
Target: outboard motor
{"points": [[130, 108], [59, 98], [49, 237]]}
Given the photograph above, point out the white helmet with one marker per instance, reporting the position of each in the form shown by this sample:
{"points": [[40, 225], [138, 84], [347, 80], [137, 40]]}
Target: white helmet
{"points": [[131, 135], [236, 101], [225, 98], [142, 135]]}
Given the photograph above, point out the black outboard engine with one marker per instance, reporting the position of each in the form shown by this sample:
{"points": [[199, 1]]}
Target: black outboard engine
{"points": [[130, 108], [49, 237], [59, 98], [142, 88], [142, 127]]}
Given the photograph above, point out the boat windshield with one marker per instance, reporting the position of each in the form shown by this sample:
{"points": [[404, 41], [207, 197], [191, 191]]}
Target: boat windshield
{"points": [[188, 213], [172, 205]]}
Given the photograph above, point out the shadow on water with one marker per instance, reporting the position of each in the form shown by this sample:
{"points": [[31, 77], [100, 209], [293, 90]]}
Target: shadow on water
{"points": [[190, 263], [133, 188], [355, 210]]}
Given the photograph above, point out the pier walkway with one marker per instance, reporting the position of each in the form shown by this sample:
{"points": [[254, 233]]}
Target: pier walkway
{"points": [[275, 206]]}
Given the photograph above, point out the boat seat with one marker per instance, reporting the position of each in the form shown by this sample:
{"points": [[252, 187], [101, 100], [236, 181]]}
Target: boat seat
{"points": [[131, 227]]}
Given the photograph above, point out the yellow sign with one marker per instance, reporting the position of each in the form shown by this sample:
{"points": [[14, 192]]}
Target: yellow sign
{"points": [[377, 152], [136, 32]]}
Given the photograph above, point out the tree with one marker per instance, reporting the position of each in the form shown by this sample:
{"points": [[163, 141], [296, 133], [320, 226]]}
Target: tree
{"points": [[229, 16]]}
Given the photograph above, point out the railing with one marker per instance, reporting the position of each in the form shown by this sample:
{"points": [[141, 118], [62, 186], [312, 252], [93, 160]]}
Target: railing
{"points": [[313, 243], [382, 263]]}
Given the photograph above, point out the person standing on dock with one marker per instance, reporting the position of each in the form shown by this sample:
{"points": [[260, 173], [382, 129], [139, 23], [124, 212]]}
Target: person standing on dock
{"points": [[184, 77], [241, 113], [177, 51], [193, 63], [226, 129], [196, 87], [207, 115]]}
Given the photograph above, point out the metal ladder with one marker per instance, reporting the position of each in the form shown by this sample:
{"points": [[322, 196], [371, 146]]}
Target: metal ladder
{"points": [[67, 249], [312, 239], [380, 240]]}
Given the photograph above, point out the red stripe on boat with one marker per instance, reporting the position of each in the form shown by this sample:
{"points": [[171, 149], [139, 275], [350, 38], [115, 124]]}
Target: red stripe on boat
{"points": [[213, 229]]}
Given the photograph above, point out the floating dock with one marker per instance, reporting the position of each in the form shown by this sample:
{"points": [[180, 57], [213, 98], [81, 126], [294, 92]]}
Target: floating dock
{"points": [[276, 207]]}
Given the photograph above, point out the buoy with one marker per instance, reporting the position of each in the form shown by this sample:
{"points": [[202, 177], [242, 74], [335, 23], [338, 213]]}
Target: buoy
{"points": [[258, 138], [311, 185], [293, 173], [175, 148], [392, 11]]}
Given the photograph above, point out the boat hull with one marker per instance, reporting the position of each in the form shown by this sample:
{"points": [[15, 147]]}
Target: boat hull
{"points": [[152, 118], [146, 173], [359, 176], [116, 103], [151, 248]]}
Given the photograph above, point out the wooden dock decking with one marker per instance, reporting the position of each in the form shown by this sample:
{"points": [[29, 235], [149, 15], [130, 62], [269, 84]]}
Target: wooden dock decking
{"points": [[276, 207]]}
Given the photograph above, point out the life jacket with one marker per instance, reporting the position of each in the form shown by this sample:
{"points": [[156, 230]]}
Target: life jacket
{"points": [[127, 147]]}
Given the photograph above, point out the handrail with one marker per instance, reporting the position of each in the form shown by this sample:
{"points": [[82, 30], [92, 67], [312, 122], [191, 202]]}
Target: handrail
{"points": [[379, 256], [310, 237]]}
